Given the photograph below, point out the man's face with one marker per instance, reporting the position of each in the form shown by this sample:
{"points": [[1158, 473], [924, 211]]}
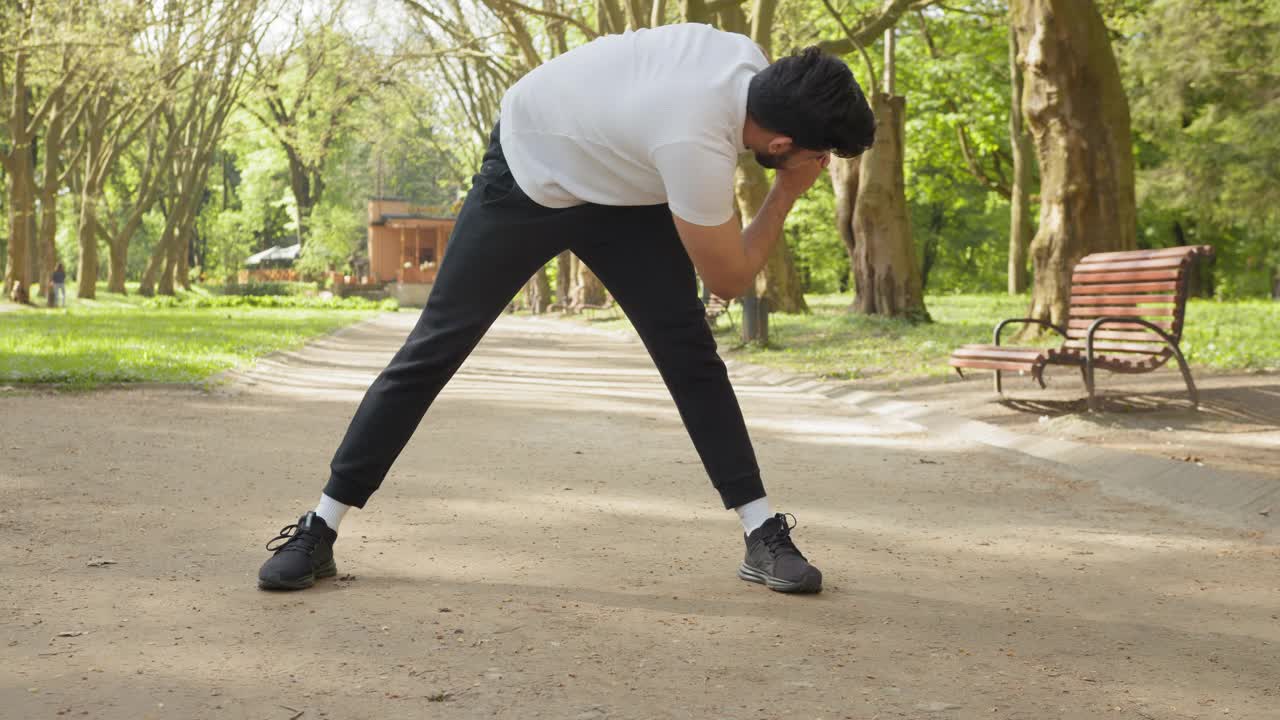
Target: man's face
{"points": [[789, 158]]}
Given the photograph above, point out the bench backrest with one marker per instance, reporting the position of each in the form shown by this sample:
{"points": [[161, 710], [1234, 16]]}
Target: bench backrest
{"points": [[1147, 284]]}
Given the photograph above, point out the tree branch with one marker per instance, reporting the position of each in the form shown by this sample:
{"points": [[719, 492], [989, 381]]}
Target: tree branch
{"points": [[853, 40], [871, 29]]}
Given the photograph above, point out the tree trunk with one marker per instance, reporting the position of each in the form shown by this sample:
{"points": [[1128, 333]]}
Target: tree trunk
{"points": [[147, 286], [538, 292], [564, 279], [119, 263], [172, 255], [587, 288], [49, 202], [1020, 227], [17, 281], [780, 284], [886, 270], [87, 278], [1076, 109], [21, 207], [182, 275], [305, 195], [90, 194], [844, 180]]}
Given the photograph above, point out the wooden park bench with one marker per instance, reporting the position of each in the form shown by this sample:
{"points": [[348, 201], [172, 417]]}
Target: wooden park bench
{"points": [[1127, 312], [717, 306]]}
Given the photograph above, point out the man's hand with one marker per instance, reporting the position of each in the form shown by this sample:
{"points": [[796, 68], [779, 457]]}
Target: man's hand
{"points": [[796, 180], [727, 256]]}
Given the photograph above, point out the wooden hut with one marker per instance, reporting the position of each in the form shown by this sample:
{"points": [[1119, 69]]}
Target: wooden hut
{"points": [[406, 245]]}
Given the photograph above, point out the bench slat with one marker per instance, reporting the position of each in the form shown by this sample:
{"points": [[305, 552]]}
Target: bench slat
{"points": [[1084, 324], [979, 364], [1079, 277], [1082, 289], [1100, 310], [998, 352], [1112, 266], [1141, 335], [1076, 356], [1110, 347], [1120, 299], [1144, 254]]}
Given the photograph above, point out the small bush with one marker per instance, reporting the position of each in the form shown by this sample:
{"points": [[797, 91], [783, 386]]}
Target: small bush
{"points": [[260, 289], [270, 301]]}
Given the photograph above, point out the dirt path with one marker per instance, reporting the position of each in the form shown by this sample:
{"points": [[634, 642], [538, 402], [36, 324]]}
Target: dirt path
{"points": [[1236, 428], [549, 547]]}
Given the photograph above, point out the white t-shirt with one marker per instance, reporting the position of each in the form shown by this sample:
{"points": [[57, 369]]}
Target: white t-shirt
{"points": [[644, 118]]}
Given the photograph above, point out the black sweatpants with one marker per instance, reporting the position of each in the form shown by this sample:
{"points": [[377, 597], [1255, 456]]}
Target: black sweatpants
{"points": [[500, 239]]}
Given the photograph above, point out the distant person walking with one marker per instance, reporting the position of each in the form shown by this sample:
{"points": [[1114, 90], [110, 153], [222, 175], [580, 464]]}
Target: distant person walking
{"points": [[58, 287]]}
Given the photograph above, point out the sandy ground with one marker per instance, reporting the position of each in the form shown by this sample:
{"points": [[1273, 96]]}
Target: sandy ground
{"points": [[549, 547], [1236, 427]]}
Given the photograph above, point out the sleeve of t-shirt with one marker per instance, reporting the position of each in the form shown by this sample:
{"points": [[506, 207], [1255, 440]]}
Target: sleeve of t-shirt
{"points": [[699, 182]]}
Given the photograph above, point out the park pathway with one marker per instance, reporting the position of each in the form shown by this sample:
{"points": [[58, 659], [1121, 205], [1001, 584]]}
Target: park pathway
{"points": [[548, 547]]}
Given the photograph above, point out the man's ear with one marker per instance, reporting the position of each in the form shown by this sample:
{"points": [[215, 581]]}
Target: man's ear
{"points": [[779, 144]]}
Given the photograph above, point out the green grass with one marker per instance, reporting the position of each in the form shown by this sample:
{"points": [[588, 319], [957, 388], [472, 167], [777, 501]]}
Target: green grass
{"points": [[127, 339], [832, 342]]}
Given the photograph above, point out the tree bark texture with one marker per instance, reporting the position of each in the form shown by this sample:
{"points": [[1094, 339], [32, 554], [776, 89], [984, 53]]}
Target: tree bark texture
{"points": [[587, 288], [564, 279], [538, 292], [844, 181], [1021, 228], [886, 269], [1077, 111]]}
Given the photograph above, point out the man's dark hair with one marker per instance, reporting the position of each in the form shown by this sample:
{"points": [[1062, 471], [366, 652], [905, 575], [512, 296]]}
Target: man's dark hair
{"points": [[812, 98]]}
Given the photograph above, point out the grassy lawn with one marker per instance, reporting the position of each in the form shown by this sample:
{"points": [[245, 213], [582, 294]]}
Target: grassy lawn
{"points": [[120, 339], [834, 343]]}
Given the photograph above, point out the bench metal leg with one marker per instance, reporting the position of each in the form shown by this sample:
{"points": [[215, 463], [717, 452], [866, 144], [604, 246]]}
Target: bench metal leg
{"points": [[1186, 375], [999, 390], [1089, 382]]}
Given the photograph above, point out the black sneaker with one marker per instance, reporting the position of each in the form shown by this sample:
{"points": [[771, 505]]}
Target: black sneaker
{"points": [[306, 554], [775, 562]]}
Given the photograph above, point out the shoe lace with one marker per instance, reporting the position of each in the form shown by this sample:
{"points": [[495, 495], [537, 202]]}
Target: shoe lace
{"points": [[296, 538], [780, 542]]}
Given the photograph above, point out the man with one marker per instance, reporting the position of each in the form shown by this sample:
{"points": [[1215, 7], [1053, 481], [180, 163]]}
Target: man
{"points": [[622, 151]]}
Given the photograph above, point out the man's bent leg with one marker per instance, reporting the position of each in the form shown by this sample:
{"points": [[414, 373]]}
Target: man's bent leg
{"points": [[640, 260], [500, 240]]}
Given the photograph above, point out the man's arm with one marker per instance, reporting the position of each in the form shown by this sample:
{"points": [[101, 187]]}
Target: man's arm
{"points": [[727, 257]]}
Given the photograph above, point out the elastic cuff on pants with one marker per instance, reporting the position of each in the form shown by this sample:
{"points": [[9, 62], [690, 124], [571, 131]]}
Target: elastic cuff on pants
{"points": [[341, 491], [742, 491]]}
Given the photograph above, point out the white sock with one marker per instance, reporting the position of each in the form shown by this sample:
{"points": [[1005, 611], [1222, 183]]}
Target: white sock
{"points": [[331, 511], [753, 514]]}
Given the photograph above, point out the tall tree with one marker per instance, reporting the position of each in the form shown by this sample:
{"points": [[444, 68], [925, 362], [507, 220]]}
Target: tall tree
{"points": [[887, 274], [35, 82], [1020, 225], [217, 82], [307, 91], [1077, 111]]}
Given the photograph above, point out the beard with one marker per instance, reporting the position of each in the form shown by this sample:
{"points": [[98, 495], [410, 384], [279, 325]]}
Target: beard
{"points": [[773, 162]]}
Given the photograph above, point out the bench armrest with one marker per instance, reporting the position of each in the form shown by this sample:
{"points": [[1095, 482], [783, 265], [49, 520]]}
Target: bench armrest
{"points": [[1093, 328], [1044, 323]]}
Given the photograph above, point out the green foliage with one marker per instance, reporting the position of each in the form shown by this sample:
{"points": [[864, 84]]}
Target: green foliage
{"points": [[270, 301], [1205, 112], [1229, 335], [337, 231], [835, 343], [832, 342], [89, 345], [266, 288], [820, 255]]}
